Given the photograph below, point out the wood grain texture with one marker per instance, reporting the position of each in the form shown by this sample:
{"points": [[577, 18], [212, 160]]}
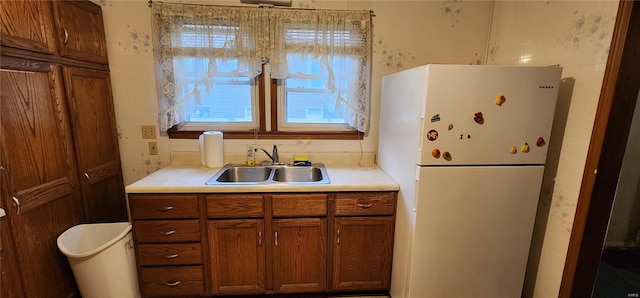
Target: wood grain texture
{"points": [[363, 253], [88, 94], [299, 255], [172, 281], [27, 24], [37, 154], [366, 203], [83, 24], [166, 231], [235, 206], [170, 254], [159, 206], [299, 205], [237, 250]]}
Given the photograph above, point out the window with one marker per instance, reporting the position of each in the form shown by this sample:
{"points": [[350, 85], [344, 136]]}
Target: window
{"points": [[268, 72]]}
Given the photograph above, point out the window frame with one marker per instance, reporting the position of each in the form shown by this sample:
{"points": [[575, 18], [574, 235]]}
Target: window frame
{"points": [[193, 132]]}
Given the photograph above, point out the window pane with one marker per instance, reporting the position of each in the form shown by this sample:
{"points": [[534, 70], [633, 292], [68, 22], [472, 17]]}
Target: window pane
{"points": [[312, 92], [222, 97]]}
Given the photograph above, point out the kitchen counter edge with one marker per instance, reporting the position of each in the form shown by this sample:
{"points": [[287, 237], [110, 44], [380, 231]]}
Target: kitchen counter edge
{"points": [[192, 179]]}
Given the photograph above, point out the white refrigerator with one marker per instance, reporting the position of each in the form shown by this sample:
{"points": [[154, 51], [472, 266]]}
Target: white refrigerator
{"points": [[467, 145]]}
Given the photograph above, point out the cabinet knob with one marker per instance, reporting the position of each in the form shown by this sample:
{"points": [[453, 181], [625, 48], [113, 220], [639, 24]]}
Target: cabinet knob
{"points": [[16, 202], [165, 209], [364, 206], [168, 233], [173, 284], [169, 257], [87, 175]]}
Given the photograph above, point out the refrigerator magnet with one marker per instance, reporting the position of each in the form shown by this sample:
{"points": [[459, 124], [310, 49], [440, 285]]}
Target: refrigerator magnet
{"points": [[500, 99], [524, 148], [435, 153], [435, 118], [450, 127], [514, 150], [432, 135], [540, 142], [446, 155], [478, 118]]}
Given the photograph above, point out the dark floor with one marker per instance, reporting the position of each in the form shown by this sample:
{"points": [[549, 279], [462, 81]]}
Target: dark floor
{"points": [[619, 273]]}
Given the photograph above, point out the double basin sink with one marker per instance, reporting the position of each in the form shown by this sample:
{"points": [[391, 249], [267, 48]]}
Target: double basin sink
{"points": [[270, 174]]}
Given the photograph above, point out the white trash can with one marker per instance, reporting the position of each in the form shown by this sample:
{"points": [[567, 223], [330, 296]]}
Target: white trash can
{"points": [[102, 259]]}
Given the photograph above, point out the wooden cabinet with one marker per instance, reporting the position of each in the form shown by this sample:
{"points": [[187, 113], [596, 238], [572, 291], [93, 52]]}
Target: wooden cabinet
{"points": [[60, 160], [299, 228], [363, 247], [168, 235], [93, 123], [81, 31], [27, 25], [237, 250], [237, 243], [263, 244], [40, 185], [70, 29], [299, 255]]}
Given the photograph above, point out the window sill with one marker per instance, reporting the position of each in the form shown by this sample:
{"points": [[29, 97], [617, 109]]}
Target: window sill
{"points": [[280, 135]]}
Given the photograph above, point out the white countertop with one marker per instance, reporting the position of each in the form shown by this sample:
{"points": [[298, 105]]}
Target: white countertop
{"points": [[191, 179]]}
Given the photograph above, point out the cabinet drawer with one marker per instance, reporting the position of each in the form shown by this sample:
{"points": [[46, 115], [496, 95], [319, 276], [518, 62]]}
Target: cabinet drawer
{"points": [[299, 205], [163, 206], [155, 231], [170, 254], [172, 281], [233, 206], [365, 203]]}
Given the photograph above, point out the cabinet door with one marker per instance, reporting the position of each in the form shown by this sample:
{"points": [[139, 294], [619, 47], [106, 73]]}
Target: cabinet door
{"points": [[96, 143], [42, 197], [363, 252], [81, 26], [299, 255], [27, 24], [237, 251]]}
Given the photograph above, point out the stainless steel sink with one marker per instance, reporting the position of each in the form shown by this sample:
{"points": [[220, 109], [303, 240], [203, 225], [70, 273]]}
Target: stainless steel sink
{"points": [[244, 174], [299, 174], [272, 174]]}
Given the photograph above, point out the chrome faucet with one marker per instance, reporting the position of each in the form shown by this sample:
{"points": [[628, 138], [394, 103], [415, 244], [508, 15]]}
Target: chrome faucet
{"points": [[273, 156]]}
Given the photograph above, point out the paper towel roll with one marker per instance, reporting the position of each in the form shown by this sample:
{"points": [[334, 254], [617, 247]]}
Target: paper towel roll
{"points": [[211, 149]]}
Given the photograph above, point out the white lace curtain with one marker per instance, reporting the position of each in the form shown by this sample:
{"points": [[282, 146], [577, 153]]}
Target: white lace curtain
{"points": [[286, 38]]}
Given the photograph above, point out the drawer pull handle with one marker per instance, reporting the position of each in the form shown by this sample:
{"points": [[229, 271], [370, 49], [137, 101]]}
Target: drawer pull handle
{"points": [[169, 257], [165, 209], [65, 35], [169, 233], [338, 236], [276, 238], [173, 284], [364, 206], [259, 238]]}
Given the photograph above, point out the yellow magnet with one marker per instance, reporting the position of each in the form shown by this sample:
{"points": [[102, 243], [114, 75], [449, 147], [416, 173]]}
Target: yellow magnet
{"points": [[500, 99], [524, 148], [514, 150]]}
